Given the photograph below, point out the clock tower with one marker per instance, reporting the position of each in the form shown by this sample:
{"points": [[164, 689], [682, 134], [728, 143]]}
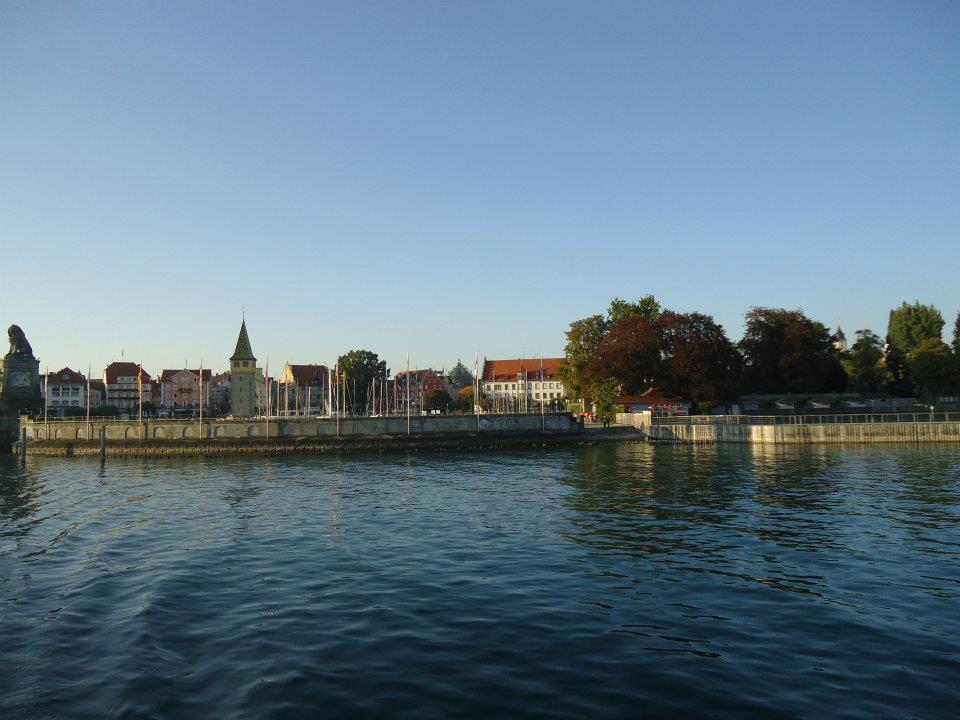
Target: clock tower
{"points": [[243, 377]]}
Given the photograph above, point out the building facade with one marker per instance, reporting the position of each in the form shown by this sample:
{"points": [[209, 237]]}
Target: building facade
{"points": [[124, 390], [184, 388], [522, 385], [303, 390], [243, 377], [62, 389]]}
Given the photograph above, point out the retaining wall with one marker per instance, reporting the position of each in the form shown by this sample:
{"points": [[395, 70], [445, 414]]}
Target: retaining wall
{"points": [[162, 437], [864, 433]]}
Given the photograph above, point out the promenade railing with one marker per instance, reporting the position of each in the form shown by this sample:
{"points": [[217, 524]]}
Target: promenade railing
{"points": [[818, 419]]}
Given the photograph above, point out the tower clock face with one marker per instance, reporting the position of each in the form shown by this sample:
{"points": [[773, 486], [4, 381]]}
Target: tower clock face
{"points": [[19, 379]]}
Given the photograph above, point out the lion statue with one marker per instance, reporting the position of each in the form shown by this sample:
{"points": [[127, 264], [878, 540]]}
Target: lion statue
{"points": [[18, 342]]}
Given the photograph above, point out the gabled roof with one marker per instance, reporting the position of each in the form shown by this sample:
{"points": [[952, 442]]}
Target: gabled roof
{"points": [[98, 385], [650, 395], [243, 350], [123, 369], [168, 375], [508, 370], [66, 376], [306, 374]]}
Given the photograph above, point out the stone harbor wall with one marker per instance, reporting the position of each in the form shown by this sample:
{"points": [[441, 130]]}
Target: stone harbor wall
{"points": [[164, 437]]}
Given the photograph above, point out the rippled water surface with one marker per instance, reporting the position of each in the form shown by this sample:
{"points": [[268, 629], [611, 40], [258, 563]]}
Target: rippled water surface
{"points": [[618, 581]]}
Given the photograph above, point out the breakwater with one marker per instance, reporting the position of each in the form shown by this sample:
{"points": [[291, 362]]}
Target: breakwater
{"points": [[853, 433], [299, 435]]}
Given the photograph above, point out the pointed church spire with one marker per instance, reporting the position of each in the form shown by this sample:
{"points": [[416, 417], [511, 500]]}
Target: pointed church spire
{"points": [[243, 350]]}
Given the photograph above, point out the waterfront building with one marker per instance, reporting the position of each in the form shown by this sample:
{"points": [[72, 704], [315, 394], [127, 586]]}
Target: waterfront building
{"points": [[303, 389], [420, 381], [98, 393], [656, 401], [518, 385], [182, 389], [243, 377], [122, 391], [220, 393], [62, 389]]}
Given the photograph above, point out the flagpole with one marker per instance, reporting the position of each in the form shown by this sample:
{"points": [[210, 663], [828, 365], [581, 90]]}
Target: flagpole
{"points": [[268, 391], [337, 416], [89, 370], [140, 396], [46, 401], [476, 389], [408, 393], [201, 396], [543, 419]]}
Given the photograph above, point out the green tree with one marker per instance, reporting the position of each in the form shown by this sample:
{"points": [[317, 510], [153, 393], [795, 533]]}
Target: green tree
{"points": [[460, 376], [931, 368], [358, 368], [895, 371], [785, 351], [864, 362], [956, 337], [700, 361], [583, 339], [435, 399], [465, 399], [604, 393], [646, 307], [105, 411], [910, 325]]}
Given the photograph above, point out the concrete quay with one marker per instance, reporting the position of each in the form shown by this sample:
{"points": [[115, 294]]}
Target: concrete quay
{"points": [[158, 438]]}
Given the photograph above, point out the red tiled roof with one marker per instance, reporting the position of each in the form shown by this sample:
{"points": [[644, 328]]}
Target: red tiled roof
{"points": [[167, 375], [507, 370], [306, 374], [98, 385], [123, 369], [651, 395], [66, 376]]}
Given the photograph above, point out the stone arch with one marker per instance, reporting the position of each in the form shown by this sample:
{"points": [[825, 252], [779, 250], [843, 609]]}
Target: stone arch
{"points": [[252, 431], [158, 432], [218, 431], [130, 432], [81, 433], [57, 433], [188, 431], [38, 433]]}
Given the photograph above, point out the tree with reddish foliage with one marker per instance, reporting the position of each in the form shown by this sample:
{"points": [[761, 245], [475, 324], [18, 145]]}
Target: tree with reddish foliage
{"points": [[787, 352], [700, 362], [631, 353]]}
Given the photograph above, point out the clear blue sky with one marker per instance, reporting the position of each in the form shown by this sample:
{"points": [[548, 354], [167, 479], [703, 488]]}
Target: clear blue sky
{"points": [[437, 177]]}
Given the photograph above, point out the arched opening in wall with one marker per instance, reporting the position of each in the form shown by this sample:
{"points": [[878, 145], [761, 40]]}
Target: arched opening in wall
{"points": [[130, 433], [252, 431], [81, 433], [37, 434], [158, 432], [189, 431], [57, 434], [218, 431]]}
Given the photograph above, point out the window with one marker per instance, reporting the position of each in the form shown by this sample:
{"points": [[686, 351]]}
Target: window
{"points": [[538, 396], [245, 363]]}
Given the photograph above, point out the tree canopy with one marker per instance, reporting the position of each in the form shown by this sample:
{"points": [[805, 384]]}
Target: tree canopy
{"points": [[863, 362], [358, 368], [460, 376], [435, 399], [931, 366], [786, 352], [910, 325], [700, 362]]}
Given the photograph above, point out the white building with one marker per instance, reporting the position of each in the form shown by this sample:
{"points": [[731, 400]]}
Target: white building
{"points": [[523, 384], [62, 389]]}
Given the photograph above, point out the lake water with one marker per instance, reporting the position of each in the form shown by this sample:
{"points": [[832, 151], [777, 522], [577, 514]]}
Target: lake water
{"points": [[614, 581]]}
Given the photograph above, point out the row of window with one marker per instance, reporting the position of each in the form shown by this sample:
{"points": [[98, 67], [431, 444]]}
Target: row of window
{"points": [[513, 386], [73, 403], [68, 391]]}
